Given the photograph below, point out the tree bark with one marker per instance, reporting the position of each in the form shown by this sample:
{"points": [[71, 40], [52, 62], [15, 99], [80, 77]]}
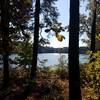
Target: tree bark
{"points": [[5, 39], [35, 44], [74, 71], [93, 27]]}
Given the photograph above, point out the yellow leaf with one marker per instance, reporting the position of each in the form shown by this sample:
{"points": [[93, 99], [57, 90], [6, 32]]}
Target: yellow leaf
{"points": [[98, 36], [60, 37]]}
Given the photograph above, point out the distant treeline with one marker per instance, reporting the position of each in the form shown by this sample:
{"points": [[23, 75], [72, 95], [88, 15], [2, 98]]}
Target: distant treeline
{"points": [[42, 49]]}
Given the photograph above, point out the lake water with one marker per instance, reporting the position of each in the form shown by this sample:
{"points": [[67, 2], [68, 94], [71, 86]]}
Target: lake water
{"points": [[52, 58]]}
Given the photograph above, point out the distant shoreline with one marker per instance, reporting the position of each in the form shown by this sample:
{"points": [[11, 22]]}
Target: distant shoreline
{"points": [[42, 49]]}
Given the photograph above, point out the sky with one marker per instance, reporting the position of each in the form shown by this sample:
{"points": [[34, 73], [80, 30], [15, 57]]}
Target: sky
{"points": [[63, 9]]}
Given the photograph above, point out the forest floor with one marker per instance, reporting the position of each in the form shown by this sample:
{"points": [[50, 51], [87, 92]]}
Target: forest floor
{"points": [[47, 86]]}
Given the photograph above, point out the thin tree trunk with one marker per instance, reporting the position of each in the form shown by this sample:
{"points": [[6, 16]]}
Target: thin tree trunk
{"points": [[74, 72], [35, 44], [5, 39], [93, 27]]}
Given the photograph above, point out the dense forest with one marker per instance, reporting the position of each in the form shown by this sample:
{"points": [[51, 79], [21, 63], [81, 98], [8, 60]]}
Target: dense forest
{"points": [[22, 27]]}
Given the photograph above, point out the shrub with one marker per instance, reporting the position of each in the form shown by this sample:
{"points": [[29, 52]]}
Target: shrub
{"points": [[90, 76]]}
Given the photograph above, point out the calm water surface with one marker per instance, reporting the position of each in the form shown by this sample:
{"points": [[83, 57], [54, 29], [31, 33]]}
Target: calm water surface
{"points": [[52, 58]]}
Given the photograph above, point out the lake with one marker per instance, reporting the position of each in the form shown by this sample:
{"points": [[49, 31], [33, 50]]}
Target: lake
{"points": [[52, 58]]}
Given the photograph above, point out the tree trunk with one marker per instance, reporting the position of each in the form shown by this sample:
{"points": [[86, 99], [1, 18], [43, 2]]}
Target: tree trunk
{"points": [[93, 27], [35, 44], [74, 71], [5, 39]]}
